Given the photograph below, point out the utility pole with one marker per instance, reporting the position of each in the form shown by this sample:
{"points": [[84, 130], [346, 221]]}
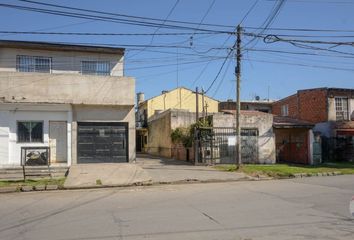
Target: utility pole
{"points": [[238, 103], [196, 105], [196, 142], [203, 105]]}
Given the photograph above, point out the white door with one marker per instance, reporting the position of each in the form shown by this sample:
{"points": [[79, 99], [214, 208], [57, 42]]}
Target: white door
{"points": [[58, 141]]}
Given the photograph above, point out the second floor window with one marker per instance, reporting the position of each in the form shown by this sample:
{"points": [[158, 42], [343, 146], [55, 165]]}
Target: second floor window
{"points": [[341, 108], [34, 64], [284, 110], [95, 68]]}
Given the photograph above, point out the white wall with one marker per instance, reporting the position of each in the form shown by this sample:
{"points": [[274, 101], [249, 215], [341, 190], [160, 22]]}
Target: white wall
{"points": [[62, 61], [11, 113], [351, 109], [332, 109], [10, 149], [4, 137]]}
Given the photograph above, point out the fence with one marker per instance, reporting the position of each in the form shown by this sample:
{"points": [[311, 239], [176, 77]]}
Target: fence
{"points": [[217, 145], [338, 148]]}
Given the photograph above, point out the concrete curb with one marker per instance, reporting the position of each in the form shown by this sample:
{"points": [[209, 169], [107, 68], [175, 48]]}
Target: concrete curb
{"points": [[160, 183], [8, 189], [39, 188], [26, 188], [301, 175]]}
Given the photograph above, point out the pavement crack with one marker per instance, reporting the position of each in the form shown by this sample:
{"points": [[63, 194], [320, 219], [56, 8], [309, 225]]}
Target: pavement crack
{"points": [[210, 217]]}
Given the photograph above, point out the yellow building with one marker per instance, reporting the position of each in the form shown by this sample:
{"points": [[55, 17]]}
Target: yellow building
{"points": [[179, 98]]}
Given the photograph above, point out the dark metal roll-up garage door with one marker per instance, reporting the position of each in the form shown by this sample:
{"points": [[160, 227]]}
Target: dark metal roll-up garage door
{"points": [[102, 142]]}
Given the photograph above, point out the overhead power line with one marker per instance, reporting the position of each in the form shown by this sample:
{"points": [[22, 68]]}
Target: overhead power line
{"points": [[106, 34], [249, 11], [220, 69], [274, 38], [298, 53], [143, 23], [302, 65], [302, 29], [128, 16], [268, 21]]}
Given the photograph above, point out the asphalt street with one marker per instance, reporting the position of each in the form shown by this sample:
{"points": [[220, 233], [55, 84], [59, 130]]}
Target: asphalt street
{"points": [[309, 208]]}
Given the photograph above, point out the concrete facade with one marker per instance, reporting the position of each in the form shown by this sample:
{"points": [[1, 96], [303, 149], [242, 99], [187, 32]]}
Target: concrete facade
{"points": [[263, 122], [256, 105], [161, 127], [179, 98], [64, 96], [10, 114], [66, 88], [66, 59]]}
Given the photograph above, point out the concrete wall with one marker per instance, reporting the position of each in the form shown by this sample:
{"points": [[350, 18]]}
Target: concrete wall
{"points": [[64, 88], [159, 135], [262, 106], [67, 62], [332, 108], [263, 122], [179, 98], [99, 113], [10, 149], [161, 127]]}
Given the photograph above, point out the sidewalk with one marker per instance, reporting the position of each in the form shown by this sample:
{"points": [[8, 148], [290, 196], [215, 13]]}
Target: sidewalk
{"points": [[148, 170], [164, 171]]}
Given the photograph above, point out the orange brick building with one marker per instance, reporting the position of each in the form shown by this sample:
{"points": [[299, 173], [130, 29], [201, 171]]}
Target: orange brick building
{"points": [[326, 108]]}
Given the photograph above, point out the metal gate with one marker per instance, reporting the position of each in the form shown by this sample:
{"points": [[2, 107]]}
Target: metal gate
{"points": [[249, 145], [102, 142], [217, 145]]}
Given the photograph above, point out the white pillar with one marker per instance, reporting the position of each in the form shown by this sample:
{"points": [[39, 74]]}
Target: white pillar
{"points": [[311, 139], [69, 122]]}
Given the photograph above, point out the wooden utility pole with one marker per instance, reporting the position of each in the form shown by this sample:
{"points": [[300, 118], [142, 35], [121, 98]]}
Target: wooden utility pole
{"points": [[238, 103]]}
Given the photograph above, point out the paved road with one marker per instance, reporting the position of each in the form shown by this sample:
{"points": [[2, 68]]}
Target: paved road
{"points": [[311, 208], [163, 170]]}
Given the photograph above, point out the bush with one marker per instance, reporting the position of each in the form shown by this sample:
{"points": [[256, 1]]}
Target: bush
{"points": [[185, 136]]}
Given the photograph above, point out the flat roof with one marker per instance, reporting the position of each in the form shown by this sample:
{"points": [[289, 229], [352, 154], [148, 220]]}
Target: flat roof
{"points": [[54, 46], [245, 112], [288, 122]]}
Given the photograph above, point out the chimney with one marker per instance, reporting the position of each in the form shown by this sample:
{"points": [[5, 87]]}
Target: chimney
{"points": [[140, 97], [164, 91]]}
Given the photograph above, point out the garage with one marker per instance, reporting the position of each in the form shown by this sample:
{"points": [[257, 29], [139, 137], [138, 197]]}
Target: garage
{"points": [[102, 142]]}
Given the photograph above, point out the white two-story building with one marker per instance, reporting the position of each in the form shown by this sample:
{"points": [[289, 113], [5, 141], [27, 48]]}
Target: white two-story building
{"points": [[72, 99]]}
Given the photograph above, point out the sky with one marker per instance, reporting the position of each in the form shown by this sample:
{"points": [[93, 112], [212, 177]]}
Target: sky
{"points": [[163, 62]]}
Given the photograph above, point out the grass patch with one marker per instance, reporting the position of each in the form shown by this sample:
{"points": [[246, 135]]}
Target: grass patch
{"points": [[98, 182], [289, 170], [34, 182]]}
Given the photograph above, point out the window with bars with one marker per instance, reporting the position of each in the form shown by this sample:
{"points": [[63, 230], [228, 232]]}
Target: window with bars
{"points": [[342, 112], [101, 68], [33, 64], [30, 131]]}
